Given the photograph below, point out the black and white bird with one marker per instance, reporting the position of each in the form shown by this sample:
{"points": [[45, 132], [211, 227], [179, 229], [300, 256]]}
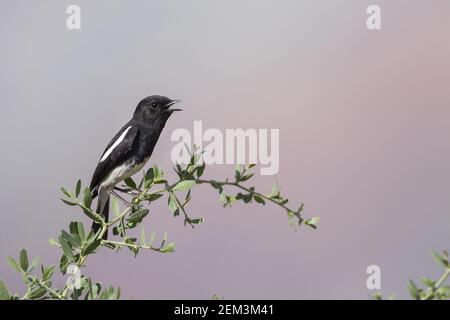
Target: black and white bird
{"points": [[129, 149]]}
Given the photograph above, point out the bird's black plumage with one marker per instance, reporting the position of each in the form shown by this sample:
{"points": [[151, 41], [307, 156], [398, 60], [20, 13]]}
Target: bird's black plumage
{"points": [[130, 149], [119, 153]]}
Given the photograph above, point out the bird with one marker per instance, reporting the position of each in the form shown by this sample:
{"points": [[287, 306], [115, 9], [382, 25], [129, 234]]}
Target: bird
{"points": [[129, 150]]}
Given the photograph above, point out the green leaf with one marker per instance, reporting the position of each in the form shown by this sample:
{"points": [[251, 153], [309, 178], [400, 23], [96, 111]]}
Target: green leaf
{"points": [[117, 230], [223, 198], [413, 290], [229, 200], [153, 197], [66, 193], [87, 198], [132, 248], [246, 177], [237, 172], [313, 221], [152, 238], [53, 242], [69, 203], [149, 177], [138, 215], [244, 197], [81, 232], [78, 189], [169, 248], [117, 294], [92, 246], [4, 293], [92, 290], [160, 181], [184, 185], [37, 293], [141, 182], [48, 272], [275, 192], [91, 215], [23, 260], [291, 216], [440, 259], [151, 173], [428, 282], [130, 183], [115, 206], [377, 296], [173, 205], [142, 235], [216, 185], [200, 170], [259, 199], [75, 237], [33, 264], [110, 294], [63, 263], [71, 240], [66, 249], [13, 263], [197, 221]]}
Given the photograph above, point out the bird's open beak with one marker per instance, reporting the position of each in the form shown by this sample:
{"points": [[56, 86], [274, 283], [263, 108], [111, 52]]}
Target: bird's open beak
{"points": [[171, 103]]}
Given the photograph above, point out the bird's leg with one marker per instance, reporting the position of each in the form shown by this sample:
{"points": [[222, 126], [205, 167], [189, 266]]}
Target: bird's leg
{"points": [[127, 191], [125, 202], [121, 190]]}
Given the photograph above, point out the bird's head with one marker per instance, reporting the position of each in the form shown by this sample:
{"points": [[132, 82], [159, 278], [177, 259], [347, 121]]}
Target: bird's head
{"points": [[154, 108]]}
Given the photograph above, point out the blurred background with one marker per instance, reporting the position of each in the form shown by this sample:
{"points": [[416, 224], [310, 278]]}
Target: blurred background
{"points": [[364, 119]]}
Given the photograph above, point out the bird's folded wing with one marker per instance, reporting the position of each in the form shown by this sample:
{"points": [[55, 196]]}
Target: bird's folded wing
{"points": [[115, 153]]}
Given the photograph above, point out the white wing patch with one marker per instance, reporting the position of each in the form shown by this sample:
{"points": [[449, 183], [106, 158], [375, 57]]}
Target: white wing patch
{"points": [[118, 141]]}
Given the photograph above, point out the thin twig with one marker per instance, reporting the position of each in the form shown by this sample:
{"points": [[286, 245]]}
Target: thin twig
{"points": [[438, 284]]}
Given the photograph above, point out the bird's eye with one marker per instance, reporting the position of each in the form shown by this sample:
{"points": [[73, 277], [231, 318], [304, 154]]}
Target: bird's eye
{"points": [[154, 105]]}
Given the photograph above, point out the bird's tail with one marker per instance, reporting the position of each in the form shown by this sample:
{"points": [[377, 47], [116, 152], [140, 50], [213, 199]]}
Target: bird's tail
{"points": [[103, 210]]}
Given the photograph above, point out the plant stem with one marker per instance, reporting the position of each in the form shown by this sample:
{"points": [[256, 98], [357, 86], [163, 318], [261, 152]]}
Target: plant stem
{"points": [[43, 286], [438, 284], [235, 184], [130, 245], [118, 243], [186, 217]]}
